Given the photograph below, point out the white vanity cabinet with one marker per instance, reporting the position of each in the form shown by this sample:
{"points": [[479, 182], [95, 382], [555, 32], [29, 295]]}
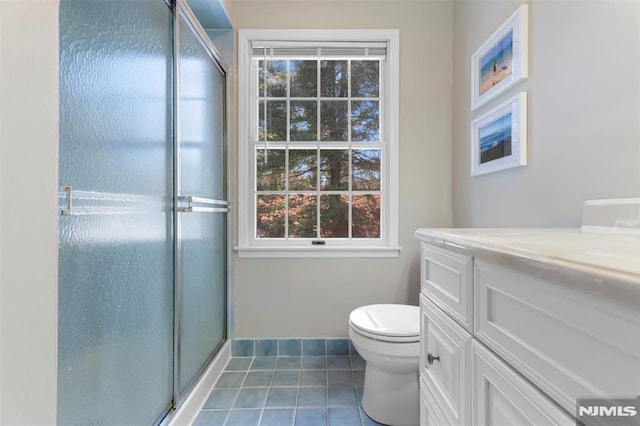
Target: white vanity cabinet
{"points": [[515, 328]]}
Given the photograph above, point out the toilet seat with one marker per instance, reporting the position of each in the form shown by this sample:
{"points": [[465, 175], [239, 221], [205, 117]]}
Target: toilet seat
{"points": [[387, 322]]}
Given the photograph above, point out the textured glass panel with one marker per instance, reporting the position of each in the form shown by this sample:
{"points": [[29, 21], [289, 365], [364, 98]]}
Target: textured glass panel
{"points": [[365, 122], [333, 121], [304, 78], [365, 169], [334, 169], [334, 79], [304, 121], [203, 259], [203, 290], [270, 170], [302, 216], [115, 321], [334, 216], [303, 168], [115, 253], [365, 212], [201, 121], [365, 79], [270, 216], [276, 120], [113, 95], [276, 78]]}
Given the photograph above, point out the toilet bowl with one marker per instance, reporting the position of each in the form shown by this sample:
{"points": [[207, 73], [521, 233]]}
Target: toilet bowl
{"points": [[387, 337]]}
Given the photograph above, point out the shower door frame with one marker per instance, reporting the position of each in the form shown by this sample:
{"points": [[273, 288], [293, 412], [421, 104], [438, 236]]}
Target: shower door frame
{"points": [[180, 14], [182, 10]]}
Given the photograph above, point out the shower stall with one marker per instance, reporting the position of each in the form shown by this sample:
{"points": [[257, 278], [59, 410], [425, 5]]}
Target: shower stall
{"points": [[142, 245]]}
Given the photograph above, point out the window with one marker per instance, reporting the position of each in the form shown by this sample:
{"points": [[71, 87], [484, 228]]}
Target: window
{"points": [[318, 148]]}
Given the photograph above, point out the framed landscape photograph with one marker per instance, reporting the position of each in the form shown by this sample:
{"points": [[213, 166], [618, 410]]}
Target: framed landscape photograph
{"points": [[499, 137], [501, 61]]}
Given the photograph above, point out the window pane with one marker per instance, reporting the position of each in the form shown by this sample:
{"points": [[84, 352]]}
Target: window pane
{"points": [[365, 169], [276, 120], [365, 79], [365, 123], [302, 216], [303, 169], [276, 78], [304, 78], [365, 216], [270, 170], [334, 216], [304, 121], [334, 79], [333, 121], [270, 216], [334, 169], [260, 120]]}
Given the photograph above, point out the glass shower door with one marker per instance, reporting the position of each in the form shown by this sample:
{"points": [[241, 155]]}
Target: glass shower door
{"points": [[115, 246], [201, 210]]}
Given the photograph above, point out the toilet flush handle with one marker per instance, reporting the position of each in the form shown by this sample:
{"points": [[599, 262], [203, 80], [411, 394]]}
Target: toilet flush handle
{"points": [[431, 358]]}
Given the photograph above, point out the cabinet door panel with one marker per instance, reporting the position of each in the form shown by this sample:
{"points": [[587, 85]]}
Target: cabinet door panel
{"points": [[444, 361], [502, 397], [430, 413], [568, 340]]}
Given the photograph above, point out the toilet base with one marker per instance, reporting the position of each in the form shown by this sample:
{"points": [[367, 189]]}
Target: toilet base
{"points": [[391, 398]]}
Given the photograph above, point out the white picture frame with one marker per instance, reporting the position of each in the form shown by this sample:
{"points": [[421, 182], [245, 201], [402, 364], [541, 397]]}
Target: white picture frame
{"points": [[499, 137], [502, 61]]}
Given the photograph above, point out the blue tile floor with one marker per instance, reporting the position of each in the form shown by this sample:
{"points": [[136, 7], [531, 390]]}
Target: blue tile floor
{"points": [[288, 390]]}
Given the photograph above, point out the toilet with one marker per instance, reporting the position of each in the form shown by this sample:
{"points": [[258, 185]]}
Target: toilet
{"points": [[387, 337]]}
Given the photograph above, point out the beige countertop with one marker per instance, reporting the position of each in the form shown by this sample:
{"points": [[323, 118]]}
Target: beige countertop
{"points": [[606, 253]]}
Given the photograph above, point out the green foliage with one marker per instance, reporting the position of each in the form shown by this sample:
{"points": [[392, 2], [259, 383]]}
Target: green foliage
{"points": [[308, 173]]}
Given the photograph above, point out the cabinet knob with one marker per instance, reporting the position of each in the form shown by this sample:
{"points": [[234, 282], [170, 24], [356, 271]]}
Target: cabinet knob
{"points": [[431, 358]]}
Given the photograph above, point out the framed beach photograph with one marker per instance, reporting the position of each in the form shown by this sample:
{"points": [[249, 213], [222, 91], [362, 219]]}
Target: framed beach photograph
{"points": [[501, 61], [499, 137]]}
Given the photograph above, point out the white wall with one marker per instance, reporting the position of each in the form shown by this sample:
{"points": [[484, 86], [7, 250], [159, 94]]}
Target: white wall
{"points": [[313, 297], [584, 112], [28, 221]]}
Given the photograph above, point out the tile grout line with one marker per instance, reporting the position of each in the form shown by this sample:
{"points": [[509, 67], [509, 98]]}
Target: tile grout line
{"points": [[295, 405], [327, 392], [226, 418], [340, 363]]}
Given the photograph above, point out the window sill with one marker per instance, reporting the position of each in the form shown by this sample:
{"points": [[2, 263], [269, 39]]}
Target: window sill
{"points": [[276, 252]]}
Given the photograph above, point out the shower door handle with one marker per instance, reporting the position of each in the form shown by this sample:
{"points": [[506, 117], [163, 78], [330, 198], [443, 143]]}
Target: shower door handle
{"points": [[191, 204], [66, 211]]}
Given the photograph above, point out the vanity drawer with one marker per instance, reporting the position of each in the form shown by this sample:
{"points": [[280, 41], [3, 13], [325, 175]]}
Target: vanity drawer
{"points": [[503, 397], [430, 414], [446, 376], [570, 342], [447, 280]]}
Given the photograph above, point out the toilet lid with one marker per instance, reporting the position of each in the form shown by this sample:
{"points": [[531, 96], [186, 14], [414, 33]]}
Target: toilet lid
{"points": [[387, 320]]}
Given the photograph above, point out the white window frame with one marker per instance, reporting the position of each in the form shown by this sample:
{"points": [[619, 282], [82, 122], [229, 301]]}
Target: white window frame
{"points": [[387, 245]]}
